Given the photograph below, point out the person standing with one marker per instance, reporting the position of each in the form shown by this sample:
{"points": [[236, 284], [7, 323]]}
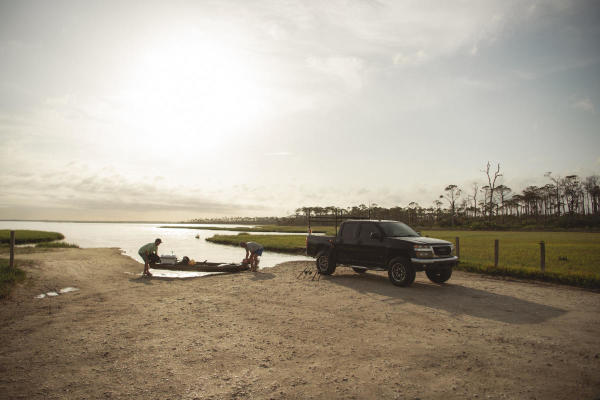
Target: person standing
{"points": [[146, 252], [253, 251]]}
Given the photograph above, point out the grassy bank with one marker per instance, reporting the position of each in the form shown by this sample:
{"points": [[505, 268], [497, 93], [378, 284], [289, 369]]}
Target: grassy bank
{"points": [[293, 244], [28, 236], [57, 245], [329, 230], [9, 277], [571, 257], [573, 278]]}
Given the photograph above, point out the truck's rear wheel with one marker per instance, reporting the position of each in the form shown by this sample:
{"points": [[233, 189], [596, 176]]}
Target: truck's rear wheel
{"points": [[401, 272], [440, 275], [325, 263]]}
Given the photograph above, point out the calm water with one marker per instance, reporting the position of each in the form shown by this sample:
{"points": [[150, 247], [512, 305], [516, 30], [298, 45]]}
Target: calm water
{"points": [[129, 237]]}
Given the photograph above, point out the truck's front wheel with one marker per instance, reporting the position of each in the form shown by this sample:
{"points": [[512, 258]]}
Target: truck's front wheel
{"points": [[325, 263], [401, 272], [439, 276]]}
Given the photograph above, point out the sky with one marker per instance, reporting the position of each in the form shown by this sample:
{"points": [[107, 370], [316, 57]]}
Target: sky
{"points": [[117, 110]]}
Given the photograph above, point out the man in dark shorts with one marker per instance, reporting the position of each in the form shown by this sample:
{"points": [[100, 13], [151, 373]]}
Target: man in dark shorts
{"points": [[146, 252], [253, 251]]}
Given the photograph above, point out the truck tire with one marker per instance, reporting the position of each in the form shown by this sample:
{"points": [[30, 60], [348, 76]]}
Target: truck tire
{"points": [[439, 276], [401, 272], [325, 263], [359, 270]]}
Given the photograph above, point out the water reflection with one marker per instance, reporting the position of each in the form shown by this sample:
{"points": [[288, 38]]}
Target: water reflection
{"points": [[129, 237]]}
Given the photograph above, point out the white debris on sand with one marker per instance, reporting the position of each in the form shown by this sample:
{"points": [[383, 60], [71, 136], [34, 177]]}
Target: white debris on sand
{"points": [[54, 294], [68, 289]]}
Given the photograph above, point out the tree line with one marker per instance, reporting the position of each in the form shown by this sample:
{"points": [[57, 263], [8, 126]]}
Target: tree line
{"points": [[569, 201], [564, 202]]}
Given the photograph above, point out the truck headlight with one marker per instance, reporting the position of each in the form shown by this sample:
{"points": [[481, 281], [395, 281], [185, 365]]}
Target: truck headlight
{"points": [[423, 251]]}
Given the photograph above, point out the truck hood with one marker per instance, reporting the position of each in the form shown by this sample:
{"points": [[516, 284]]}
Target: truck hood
{"points": [[421, 240]]}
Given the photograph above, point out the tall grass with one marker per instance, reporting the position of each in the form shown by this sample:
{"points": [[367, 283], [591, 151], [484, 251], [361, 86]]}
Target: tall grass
{"points": [[9, 277], [56, 245]]}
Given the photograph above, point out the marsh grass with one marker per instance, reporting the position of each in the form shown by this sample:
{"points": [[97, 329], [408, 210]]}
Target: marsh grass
{"points": [[9, 277], [56, 245], [294, 244], [29, 236]]}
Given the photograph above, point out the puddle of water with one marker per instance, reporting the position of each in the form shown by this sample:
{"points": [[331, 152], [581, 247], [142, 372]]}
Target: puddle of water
{"points": [[51, 294], [40, 296]]}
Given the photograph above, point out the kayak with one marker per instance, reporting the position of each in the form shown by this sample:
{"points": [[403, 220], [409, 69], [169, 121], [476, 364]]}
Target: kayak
{"points": [[203, 267]]}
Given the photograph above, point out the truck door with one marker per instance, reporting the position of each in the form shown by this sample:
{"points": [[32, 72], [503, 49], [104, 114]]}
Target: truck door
{"points": [[371, 252], [347, 243]]}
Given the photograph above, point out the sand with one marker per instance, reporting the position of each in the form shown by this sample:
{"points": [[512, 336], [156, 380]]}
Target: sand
{"points": [[272, 335]]}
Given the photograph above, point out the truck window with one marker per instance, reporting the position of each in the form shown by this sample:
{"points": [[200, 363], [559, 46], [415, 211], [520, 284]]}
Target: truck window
{"points": [[397, 229], [349, 231], [365, 231]]}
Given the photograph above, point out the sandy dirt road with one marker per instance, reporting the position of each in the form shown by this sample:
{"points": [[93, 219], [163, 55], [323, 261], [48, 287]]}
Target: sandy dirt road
{"points": [[271, 335]]}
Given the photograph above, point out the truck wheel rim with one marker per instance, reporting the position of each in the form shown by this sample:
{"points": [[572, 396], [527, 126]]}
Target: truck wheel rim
{"points": [[399, 272], [322, 263]]}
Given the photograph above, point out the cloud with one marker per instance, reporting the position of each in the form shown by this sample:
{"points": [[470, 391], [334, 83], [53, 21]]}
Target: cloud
{"points": [[410, 59], [348, 70], [279, 154], [113, 194], [584, 104]]}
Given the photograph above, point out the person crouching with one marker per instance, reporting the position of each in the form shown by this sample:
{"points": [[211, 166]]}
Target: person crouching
{"points": [[253, 251], [149, 252]]}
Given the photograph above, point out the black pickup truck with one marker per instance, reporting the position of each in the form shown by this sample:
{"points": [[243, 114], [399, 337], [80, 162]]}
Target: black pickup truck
{"points": [[383, 245]]}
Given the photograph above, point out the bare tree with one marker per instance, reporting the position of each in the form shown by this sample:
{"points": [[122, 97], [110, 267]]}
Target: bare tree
{"points": [[475, 187], [592, 187], [452, 194], [502, 191], [492, 186], [558, 186], [573, 192]]}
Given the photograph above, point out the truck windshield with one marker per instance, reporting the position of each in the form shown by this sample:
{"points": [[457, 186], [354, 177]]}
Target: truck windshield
{"points": [[397, 229]]}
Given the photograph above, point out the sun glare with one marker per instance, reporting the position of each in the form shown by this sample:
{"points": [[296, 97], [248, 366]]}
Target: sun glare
{"points": [[196, 90]]}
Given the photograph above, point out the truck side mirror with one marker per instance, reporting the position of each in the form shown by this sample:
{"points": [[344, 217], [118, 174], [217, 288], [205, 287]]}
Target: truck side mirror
{"points": [[375, 235]]}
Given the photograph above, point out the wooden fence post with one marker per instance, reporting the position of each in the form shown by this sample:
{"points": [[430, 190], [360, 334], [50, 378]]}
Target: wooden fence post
{"points": [[457, 241], [543, 256], [496, 249], [12, 249]]}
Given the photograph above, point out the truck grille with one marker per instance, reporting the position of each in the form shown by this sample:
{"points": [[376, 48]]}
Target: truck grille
{"points": [[442, 251]]}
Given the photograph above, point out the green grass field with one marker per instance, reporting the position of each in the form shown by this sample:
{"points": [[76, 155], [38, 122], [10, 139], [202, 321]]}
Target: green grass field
{"points": [[571, 257], [329, 230], [565, 251], [27, 236]]}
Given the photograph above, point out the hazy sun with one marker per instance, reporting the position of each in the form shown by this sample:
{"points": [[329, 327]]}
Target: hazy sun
{"points": [[194, 88]]}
